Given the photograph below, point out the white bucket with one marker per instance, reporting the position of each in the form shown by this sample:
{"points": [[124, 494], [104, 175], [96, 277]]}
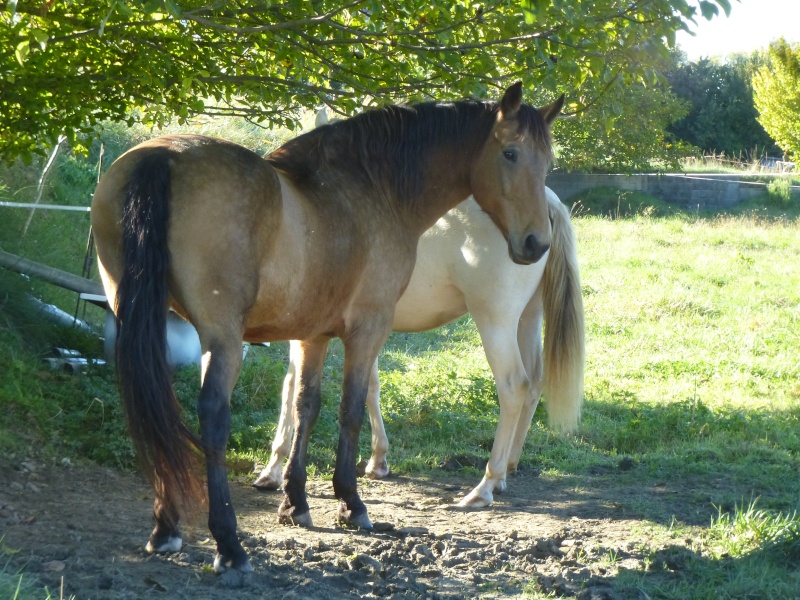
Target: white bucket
{"points": [[183, 343]]}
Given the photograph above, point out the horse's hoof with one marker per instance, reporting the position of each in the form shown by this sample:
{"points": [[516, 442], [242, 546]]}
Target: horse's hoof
{"points": [[346, 517], [290, 518], [377, 471], [222, 563], [475, 500], [500, 486], [266, 482], [171, 544]]}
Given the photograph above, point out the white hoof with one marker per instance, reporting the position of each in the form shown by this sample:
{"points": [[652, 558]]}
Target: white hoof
{"points": [[377, 469], [475, 500], [173, 544], [221, 565], [267, 482]]}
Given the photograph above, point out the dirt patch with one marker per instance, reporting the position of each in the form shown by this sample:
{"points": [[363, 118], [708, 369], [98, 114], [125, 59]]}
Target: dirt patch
{"points": [[88, 524]]}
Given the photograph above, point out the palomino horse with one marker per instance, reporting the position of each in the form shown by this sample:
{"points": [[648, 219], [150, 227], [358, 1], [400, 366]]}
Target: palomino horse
{"points": [[455, 260], [316, 241]]}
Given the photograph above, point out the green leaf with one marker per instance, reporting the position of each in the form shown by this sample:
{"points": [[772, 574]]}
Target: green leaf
{"points": [[173, 9], [22, 52], [533, 10], [708, 9], [726, 6], [40, 36]]}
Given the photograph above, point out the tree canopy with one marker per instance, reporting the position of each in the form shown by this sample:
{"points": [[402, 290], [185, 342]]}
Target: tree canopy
{"points": [[67, 65], [722, 114], [636, 139], [777, 96]]}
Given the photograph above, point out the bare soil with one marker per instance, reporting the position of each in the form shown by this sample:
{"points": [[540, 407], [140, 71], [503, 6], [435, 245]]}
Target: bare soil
{"points": [[85, 526]]}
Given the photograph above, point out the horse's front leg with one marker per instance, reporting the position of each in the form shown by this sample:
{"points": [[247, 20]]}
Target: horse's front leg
{"points": [[222, 361], [377, 468], [270, 477], [294, 509], [513, 390], [361, 352]]}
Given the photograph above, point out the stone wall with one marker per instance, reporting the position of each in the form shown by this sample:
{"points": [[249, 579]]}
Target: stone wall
{"points": [[692, 191]]}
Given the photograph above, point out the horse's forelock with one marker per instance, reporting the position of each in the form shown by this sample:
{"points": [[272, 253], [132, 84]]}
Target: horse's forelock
{"points": [[531, 122]]}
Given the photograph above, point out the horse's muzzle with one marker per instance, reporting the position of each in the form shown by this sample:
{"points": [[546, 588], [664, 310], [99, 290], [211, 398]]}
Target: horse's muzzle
{"points": [[531, 252]]}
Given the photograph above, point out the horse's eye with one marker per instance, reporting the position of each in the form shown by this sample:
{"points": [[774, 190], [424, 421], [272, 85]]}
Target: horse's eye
{"points": [[510, 155]]}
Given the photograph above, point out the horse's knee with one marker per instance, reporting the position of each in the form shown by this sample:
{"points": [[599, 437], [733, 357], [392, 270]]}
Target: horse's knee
{"points": [[513, 390]]}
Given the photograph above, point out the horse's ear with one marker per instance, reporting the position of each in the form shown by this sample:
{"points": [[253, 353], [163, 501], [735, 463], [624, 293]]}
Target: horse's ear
{"points": [[511, 99], [321, 118], [551, 111]]}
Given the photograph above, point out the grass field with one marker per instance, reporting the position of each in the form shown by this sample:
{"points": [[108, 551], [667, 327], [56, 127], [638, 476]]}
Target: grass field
{"points": [[693, 372]]}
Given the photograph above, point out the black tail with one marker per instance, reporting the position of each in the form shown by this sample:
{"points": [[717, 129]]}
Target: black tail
{"points": [[165, 446]]}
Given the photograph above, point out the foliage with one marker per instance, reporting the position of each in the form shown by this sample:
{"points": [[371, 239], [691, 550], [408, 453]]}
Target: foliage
{"points": [[722, 114], [68, 66], [624, 133], [777, 96], [780, 191]]}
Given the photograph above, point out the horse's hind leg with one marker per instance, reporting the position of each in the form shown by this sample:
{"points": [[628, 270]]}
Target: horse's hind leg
{"points": [[294, 509], [222, 361], [361, 352], [270, 477], [377, 468], [166, 537], [529, 338]]}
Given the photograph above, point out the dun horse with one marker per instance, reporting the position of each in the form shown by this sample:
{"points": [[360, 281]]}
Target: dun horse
{"points": [[316, 241], [455, 260]]}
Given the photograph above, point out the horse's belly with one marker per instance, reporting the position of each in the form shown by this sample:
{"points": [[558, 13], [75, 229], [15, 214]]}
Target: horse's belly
{"points": [[280, 316], [427, 304]]}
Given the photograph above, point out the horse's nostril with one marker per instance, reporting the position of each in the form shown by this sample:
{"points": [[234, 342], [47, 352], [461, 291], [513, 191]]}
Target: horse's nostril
{"points": [[533, 249]]}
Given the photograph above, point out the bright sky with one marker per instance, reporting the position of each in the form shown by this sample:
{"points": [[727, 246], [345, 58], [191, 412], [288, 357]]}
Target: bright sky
{"points": [[753, 24]]}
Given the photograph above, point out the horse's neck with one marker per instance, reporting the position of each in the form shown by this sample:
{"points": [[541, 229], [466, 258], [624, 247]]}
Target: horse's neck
{"points": [[447, 183]]}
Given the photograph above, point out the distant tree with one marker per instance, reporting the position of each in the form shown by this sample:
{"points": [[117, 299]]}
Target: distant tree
{"points": [[777, 95], [722, 116], [627, 133], [67, 65]]}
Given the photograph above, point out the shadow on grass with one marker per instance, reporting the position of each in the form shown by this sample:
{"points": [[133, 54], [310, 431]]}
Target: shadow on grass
{"points": [[677, 572]]}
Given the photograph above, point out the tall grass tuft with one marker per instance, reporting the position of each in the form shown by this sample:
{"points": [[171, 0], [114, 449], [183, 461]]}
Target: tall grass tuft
{"points": [[749, 528]]}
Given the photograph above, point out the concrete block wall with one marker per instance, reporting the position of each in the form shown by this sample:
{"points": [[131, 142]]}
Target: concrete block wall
{"points": [[691, 191]]}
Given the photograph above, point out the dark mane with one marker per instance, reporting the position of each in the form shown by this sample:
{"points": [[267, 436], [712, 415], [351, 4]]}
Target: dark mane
{"points": [[387, 149]]}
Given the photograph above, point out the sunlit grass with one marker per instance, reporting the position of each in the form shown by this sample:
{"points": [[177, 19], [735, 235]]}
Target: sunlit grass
{"points": [[693, 326]]}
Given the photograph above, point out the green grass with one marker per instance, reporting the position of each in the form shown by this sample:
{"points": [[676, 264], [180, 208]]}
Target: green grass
{"points": [[745, 553], [16, 585], [693, 322]]}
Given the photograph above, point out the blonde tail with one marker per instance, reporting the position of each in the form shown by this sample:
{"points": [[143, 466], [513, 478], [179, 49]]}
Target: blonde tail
{"points": [[564, 345]]}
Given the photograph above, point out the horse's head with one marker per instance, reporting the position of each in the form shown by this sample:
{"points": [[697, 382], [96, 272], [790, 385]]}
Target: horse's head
{"points": [[508, 176]]}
